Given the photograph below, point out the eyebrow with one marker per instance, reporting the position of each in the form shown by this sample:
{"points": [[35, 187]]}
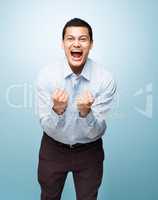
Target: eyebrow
{"points": [[74, 36]]}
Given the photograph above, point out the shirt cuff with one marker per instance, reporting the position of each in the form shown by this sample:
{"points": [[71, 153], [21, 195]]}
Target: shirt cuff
{"points": [[89, 119], [58, 119]]}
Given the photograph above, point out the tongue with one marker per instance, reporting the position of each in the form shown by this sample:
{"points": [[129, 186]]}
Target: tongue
{"points": [[76, 54]]}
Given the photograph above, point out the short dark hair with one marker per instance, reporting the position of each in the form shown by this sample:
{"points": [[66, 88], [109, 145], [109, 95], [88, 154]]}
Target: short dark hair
{"points": [[78, 22]]}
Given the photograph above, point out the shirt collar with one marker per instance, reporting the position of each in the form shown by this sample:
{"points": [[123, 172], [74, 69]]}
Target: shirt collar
{"points": [[66, 70], [86, 72]]}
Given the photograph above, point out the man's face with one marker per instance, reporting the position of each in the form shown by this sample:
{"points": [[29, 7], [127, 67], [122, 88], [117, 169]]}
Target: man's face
{"points": [[76, 45]]}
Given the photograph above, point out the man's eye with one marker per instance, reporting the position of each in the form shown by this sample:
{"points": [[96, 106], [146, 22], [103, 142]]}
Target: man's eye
{"points": [[70, 39], [83, 39]]}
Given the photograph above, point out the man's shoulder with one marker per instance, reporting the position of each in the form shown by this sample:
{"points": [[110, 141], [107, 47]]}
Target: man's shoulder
{"points": [[100, 71], [50, 70], [102, 78], [48, 74]]}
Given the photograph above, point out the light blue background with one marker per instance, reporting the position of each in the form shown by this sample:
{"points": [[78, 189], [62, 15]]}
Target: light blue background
{"points": [[125, 41]]}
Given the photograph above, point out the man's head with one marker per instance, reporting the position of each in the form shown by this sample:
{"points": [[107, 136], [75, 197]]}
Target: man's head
{"points": [[77, 41]]}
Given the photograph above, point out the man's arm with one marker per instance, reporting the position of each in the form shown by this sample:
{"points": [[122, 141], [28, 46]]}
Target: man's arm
{"points": [[94, 123], [50, 107]]}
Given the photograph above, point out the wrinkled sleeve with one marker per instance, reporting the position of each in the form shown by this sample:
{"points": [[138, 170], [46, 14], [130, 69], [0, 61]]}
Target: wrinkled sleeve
{"points": [[49, 120], [94, 124]]}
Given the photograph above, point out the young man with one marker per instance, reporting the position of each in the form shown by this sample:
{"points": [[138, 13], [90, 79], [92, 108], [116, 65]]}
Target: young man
{"points": [[74, 96]]}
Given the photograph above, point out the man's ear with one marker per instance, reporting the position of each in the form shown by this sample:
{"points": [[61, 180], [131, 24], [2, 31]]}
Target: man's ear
{"points": [[91, 45], [62, 44]]}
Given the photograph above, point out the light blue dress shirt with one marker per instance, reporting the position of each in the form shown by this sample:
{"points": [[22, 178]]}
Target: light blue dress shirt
{"points": [[70, 128]]}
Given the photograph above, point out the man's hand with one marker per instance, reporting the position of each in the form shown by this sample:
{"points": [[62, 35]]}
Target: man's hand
{"points": [[60, 101], [84, 103]]}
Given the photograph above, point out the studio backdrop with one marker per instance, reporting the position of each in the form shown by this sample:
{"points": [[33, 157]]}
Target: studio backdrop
{"points": [[126, 43]]}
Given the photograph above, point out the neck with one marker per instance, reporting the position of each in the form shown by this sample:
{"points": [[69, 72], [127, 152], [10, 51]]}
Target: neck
{"points": [[77, 70]]}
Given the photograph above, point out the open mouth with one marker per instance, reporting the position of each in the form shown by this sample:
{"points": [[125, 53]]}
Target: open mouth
{"points": [[77, 55]]}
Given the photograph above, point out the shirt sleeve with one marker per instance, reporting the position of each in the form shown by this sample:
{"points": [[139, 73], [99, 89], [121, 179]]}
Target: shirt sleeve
{"points": [[94, 124], [50, 121]]}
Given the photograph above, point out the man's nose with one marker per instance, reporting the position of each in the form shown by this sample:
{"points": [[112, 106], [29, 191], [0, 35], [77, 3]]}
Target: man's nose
{"points": [[76, 43]]}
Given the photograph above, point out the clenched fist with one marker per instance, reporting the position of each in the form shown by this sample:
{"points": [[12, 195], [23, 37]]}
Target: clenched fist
{"points": [[60, 101], [84, 103]]}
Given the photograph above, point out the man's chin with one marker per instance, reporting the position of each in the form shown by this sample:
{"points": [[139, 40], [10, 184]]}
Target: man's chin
{"points": [[76, 64]]}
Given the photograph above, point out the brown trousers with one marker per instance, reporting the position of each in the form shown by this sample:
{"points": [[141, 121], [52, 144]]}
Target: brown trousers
{"points": [[55, 161]]}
